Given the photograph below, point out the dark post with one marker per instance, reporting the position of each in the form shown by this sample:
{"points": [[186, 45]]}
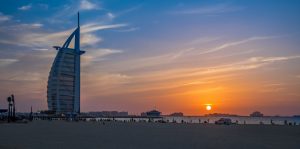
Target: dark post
{"points": [[30, 116], [14, 108], [9, 109]]}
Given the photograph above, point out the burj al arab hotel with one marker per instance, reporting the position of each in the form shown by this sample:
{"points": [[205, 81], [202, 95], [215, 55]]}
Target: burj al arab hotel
{"points": [[63, 90]]}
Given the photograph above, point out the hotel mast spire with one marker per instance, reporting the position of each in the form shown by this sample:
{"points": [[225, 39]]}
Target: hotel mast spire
{"points": [[78, 20]]}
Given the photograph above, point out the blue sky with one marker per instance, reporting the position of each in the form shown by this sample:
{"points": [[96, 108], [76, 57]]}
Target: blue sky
{"points": [[174, 55]]}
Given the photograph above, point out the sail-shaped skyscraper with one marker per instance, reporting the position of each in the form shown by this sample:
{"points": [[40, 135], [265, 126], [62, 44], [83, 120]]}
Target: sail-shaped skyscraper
{"points": [[63, 90]]}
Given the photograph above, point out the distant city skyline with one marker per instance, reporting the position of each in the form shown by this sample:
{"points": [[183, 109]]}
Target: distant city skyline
{"points": [[176, 56]]}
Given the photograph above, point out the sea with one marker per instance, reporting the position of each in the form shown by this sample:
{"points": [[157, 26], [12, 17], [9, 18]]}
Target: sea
{"points": [[211, 119]]}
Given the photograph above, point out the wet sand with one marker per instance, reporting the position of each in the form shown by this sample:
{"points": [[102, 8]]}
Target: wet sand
{"points": [[117, 135]]}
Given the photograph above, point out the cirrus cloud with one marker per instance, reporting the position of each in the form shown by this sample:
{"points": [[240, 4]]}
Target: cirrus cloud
{"points": [[87, 5], [25, 7]]}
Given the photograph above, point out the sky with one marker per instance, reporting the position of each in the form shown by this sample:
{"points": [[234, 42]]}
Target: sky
{"points": [[171, 55]]}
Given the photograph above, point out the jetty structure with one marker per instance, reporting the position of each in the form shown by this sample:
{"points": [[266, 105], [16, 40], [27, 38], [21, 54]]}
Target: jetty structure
{"points": [[63, 89]]}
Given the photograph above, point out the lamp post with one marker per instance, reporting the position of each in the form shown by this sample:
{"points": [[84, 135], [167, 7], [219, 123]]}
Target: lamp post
{"points": [[9, 100], [14, 108]]}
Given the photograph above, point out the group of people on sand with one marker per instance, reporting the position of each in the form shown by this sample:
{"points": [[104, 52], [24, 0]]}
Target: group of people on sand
{"points": [[181, 121], [207, 121]]}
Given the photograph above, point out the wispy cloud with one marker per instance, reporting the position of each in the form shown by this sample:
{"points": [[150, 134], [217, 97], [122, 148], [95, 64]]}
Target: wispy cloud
{"points": [[71, 9], [235, 43], [272, 87], [38, 25], [243, 65], [206, 90], [4, 17], [110, 15], [86, 30], [110, 79], [25, 7], [274, 59], [4, 62], [208, 10], [248, 64], [94, 55], [151, 61], [245, 52], [128, 30], [131, 9], [181, 53], [174, 78], [87, 5], [104, 52], [90, 39], [95, 27], [28, 76], [40, 49], [273, 84], [12, 42], [202, 40], [25, 26], [41, 39]]}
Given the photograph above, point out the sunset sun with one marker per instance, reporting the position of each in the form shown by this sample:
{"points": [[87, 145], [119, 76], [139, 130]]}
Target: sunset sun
{"points": [[208, 107]]}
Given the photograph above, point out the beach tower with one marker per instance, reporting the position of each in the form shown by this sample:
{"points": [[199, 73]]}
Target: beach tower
{"points": [[63, 89]]}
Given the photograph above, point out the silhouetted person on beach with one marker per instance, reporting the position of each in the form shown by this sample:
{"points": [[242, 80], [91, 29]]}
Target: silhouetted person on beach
{"points": [[30, 115], [10, 109]]}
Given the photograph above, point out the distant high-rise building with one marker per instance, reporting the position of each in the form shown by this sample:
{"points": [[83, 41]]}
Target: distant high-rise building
{"points": [[63, 90]]}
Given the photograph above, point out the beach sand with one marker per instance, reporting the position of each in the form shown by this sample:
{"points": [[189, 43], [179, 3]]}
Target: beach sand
{"points": [[117, 135]]}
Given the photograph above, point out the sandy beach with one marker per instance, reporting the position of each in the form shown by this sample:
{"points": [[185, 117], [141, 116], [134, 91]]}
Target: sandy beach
{"points": [[118, 135]]}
